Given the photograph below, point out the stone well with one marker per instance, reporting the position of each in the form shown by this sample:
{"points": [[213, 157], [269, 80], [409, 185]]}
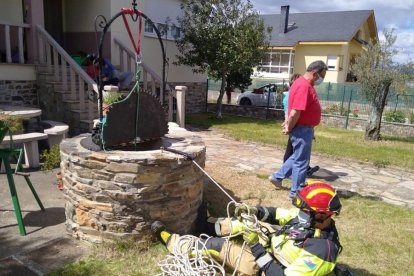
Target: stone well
{"points": [[117, 194]]}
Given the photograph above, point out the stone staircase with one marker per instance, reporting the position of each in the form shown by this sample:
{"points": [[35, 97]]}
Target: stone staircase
{"points": [[60, 102], [66, 92]]}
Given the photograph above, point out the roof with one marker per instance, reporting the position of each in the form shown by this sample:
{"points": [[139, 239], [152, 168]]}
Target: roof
{"points": [[316, 27]]}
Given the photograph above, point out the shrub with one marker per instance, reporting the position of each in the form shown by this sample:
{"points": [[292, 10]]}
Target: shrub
{"points": [[111, 97], [51, 158], [394, 116], [13, 123], [9, 124], [355, 113], [412, 118]]}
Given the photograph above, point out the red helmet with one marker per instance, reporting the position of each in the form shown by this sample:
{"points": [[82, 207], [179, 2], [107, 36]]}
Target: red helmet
{"points": [[318, 197]]}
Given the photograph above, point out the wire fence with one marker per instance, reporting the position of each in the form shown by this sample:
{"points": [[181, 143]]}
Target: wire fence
{"points": [[347, 99], [344, 99]]}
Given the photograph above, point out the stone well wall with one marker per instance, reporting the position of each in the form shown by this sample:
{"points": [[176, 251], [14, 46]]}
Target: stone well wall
{"points": [[118, 194]]}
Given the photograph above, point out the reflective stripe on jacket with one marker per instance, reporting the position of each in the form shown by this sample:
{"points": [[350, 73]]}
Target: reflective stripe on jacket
{"points": [[313, 256]]}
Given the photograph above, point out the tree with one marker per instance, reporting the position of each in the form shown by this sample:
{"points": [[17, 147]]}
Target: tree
{"points": [[221, 37], [238, 79], [376, 73]]}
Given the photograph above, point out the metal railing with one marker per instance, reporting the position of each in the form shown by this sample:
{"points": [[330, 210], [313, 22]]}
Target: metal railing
{"points": [[151, 80], [14, 54], [67, 72]]}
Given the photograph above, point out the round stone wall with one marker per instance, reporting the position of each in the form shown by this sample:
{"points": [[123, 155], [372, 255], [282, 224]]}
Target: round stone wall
{"points": [[117, 194]]}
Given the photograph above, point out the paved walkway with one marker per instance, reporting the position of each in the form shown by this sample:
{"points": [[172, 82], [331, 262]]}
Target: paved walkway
{"points": [[393, 185], [46, 246]]}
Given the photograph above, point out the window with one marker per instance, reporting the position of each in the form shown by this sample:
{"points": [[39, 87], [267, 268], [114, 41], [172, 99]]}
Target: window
{"points": [[279, 61], [175, 32], [162, 28], [169, 32], [332, 63], [148, 27]]}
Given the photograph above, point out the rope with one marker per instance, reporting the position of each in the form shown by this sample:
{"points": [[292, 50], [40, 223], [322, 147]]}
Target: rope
{"points": [[218, 185], [180, 263], [137, 89], [187, 257]]}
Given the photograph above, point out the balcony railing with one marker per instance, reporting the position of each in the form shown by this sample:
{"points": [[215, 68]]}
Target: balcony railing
{"points": [[13, 36]]}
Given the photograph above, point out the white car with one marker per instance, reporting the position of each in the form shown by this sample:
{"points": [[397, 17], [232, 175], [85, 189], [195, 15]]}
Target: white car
{"points": [[263, 96]]}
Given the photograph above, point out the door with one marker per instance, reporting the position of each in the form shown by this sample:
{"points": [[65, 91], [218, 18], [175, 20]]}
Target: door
{"points": [[53, 19]]}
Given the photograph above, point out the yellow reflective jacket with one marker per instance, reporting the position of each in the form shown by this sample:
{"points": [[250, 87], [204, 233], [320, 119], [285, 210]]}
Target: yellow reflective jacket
{"points": [[310, 256]]}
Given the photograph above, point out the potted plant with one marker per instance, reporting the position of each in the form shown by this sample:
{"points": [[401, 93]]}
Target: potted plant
{"points": [[110, 96]]}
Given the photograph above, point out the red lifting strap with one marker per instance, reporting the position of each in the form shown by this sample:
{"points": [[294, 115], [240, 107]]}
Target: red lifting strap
{"points": [[125, 11]]}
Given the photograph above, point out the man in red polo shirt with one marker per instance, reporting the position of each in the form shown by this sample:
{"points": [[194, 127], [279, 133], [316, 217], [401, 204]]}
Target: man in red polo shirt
{"points": [[304, 114]]}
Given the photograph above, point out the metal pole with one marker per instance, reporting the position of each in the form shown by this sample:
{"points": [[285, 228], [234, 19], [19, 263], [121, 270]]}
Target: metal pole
{"points": [[268, 101], [342, 103], [329, 88], [347, 115], [207, 96], [396, 103]]}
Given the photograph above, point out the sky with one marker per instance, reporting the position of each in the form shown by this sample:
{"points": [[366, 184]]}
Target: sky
{"points": [[396, 14]]}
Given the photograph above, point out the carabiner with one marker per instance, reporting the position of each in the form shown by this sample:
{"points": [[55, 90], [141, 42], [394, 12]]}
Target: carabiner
{"points": [[138, 59]]}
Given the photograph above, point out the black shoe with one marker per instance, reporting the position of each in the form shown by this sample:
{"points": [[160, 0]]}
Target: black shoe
{"points": [[202, 226], [311, 170], [156, 228]]}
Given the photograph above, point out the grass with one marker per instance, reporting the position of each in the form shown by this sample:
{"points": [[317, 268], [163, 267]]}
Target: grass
{"points": [[377, 237], [335, 142], [119, 258]]}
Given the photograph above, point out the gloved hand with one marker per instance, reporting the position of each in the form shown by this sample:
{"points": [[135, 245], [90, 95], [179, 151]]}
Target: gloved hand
{"points": [[251, 237], [244, 209]]}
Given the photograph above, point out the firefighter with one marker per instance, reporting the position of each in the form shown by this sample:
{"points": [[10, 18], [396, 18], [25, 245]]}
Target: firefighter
{"points": [[299, 241]]}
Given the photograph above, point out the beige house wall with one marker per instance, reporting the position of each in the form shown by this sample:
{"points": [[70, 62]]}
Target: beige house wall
{"points": [[17, 72], [79, 15], [11, 12], [305, 54], [354, 48], [365, 32]]}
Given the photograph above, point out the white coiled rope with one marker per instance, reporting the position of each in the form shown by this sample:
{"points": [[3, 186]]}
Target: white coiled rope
{"points": [[187, 258]]}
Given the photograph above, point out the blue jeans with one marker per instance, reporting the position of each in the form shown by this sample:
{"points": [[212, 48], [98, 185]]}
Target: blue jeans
{"points": [[297, 164]]}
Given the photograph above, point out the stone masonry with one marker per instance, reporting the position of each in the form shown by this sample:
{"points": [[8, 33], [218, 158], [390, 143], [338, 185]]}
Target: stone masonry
{"points": [[118, 194], [18, 93], [195, 97]]}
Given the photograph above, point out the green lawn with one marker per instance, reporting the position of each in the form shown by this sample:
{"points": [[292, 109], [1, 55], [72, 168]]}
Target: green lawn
{"points": [[391, 150]]}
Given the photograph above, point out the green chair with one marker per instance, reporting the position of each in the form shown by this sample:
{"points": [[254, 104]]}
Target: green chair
{"points": [[5, 156]]}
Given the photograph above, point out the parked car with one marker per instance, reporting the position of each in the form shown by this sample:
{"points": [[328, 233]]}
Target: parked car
{"points": [[260, 96]]}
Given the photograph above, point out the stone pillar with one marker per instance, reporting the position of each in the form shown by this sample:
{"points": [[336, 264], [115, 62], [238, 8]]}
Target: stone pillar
{"points": [[180, 90]]}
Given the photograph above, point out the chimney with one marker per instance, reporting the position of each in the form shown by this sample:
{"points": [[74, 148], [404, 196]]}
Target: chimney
{"points": [[284, 19]]}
